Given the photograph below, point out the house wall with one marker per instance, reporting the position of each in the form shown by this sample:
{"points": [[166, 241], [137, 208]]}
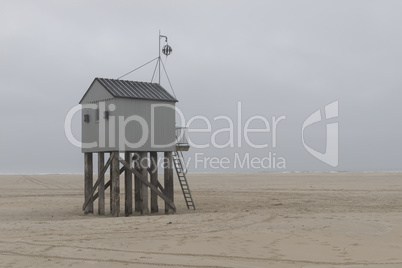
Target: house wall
{"points": [[123, 130]]}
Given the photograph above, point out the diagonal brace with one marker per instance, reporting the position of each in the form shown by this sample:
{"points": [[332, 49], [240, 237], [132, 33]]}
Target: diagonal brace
{"points": [[147, 183], [106, 186]]}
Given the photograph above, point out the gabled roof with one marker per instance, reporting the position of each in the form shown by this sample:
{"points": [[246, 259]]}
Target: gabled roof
{"points": [[133, 90]]}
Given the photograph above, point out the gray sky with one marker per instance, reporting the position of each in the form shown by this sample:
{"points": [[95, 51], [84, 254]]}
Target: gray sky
{"points": [[277, 58]]}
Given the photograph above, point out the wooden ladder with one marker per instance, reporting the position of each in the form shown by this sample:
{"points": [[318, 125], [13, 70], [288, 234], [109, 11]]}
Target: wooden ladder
{"points": [[181, 175]]}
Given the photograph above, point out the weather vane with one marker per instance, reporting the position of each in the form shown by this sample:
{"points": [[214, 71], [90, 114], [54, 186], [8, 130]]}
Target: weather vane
{"points": [[166, 50]]}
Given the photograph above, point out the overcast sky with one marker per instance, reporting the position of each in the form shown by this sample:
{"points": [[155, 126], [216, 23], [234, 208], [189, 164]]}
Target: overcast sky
{"points": [[278, 58]]}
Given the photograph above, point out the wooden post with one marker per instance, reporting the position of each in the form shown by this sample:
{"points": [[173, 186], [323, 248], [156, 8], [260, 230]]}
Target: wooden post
{"points": [[137, 184], [110, 188], [115, 185], [168, 180], [88, 181], [145, 181], [154, 180], [101, 188], [144, 188], [128, 185]]}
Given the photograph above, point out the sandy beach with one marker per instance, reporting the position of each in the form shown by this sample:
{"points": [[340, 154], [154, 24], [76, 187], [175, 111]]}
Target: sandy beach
{"points": [[242, 220]]}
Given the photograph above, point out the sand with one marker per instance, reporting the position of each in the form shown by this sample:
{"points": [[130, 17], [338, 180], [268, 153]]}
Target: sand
{"points": [[242, 220]]}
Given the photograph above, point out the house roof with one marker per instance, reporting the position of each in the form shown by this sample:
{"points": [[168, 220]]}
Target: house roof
{"points": [[134, 90]]}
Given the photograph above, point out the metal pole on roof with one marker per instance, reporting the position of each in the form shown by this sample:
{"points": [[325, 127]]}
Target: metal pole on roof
{"points": [[159, 58]]}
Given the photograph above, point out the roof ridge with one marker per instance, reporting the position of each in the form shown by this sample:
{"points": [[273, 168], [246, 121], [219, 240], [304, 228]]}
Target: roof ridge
{"points": [[115, 79]]}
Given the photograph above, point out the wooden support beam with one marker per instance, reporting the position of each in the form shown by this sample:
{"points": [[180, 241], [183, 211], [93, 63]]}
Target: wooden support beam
{"points": [[161, 187], [108, 184], [89, 200], [146, 182], [153, 170], [168, 181], [101, 188], [110, 179], [144, 189], [158, 184], [88, 182], [115, 185], [97, 194], [128, 186], [137, 184]]}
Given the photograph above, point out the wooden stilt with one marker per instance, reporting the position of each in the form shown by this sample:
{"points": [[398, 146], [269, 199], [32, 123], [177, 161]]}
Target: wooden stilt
{"points": [[168, 181], [154, 180], [137, 184], [115, 185], [111, 176], [128, 186], [144, 188], [88, 181], [101, 188]]}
